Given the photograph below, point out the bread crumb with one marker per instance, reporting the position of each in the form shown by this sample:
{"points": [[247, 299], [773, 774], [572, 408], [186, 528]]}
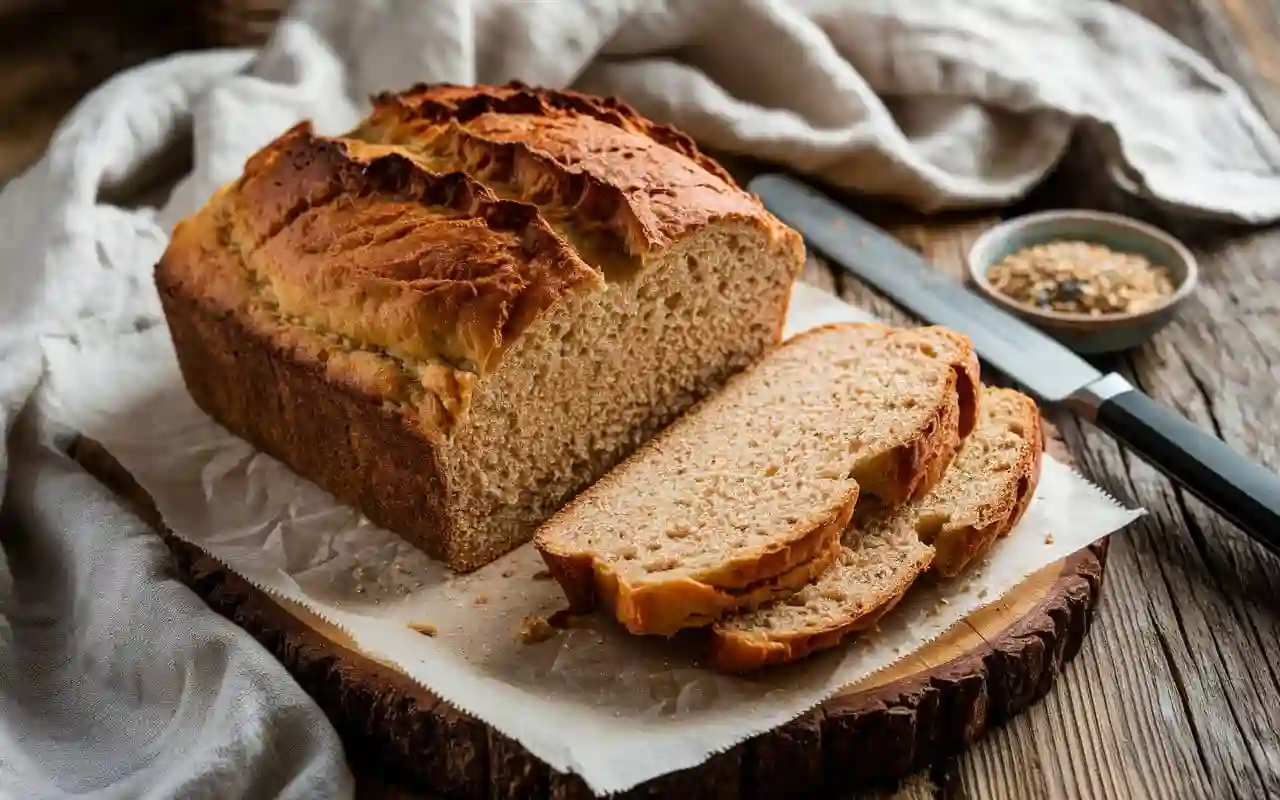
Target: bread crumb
{"points": [[542, 575], [944, 601], [1048, 538], [536, 628], [481, 599], [425, 628], [982, 594], [507, 573]]}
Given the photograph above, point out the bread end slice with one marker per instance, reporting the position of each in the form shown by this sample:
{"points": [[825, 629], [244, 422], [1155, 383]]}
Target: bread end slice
{"points": [[959, 540], [982, 496]]}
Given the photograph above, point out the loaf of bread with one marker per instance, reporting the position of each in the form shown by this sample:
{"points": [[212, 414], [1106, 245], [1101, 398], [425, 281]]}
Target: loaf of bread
{"points": [[744, 498], [472, 306], [981, 496]]}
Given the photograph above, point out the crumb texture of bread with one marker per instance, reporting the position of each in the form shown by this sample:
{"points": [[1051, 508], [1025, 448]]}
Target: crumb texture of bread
{"points": [[473, 305], [987, 491], [762, 477], [981, 496]]}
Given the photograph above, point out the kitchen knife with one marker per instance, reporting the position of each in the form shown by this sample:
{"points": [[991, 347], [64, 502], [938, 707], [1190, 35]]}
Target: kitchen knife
{"points": [[1240, 489]]}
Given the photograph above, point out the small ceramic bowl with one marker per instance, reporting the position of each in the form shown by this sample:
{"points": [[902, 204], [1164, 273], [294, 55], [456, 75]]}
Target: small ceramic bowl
{"points": [[1082, 332]]}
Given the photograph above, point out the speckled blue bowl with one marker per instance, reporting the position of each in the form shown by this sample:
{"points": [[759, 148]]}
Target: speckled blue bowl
{"points": [[1082, 332]]}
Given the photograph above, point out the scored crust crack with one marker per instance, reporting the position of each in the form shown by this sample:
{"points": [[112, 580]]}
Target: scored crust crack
{"points": [[982, 495], [730, 506]]}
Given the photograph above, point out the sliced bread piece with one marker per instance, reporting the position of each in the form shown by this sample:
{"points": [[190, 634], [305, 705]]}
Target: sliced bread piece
{"points": [[744, 499], [981, 496], [986, 492]]}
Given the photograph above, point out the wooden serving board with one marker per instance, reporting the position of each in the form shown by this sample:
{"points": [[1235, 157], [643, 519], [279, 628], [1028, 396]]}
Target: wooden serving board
{"points": [[403, 742]]}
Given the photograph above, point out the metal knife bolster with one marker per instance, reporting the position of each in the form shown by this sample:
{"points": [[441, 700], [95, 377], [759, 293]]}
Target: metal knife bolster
{"points": [[1088, 399]]}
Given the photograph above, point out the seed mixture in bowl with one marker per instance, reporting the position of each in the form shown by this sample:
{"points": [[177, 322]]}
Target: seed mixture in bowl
{"points": [[1081, 278]]}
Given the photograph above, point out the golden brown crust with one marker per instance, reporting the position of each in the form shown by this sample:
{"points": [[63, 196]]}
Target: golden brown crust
{"points": [[958, 546], [733, 654], [445, 225], [593, 161], [442, 102], [665, 607], [364, 242]]}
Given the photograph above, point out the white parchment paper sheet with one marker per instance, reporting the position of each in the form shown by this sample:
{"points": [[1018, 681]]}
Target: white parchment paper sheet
{"points": [[616, 709]]}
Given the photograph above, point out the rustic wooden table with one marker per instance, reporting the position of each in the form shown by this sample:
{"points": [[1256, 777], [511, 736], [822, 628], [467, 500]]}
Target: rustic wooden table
{"points": [[1177, 692]]}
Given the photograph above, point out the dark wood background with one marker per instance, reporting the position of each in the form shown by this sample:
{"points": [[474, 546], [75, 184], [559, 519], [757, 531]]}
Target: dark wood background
{"points": [[1177, 692]]}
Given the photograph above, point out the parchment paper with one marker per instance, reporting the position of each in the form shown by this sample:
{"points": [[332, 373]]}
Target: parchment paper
{"points": [[616, 709]]}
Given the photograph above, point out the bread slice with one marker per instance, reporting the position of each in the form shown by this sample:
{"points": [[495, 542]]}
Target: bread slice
{"points": [[987, 491], [730, 506], [981, 496]]}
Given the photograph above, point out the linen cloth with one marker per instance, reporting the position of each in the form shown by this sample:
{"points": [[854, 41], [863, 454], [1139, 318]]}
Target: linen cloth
{"points": [[115, 681]]}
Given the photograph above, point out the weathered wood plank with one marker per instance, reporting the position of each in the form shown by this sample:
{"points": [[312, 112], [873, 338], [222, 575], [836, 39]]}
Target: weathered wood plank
{"points": [[1185, 700], [1119, 725], [1175, 694]]}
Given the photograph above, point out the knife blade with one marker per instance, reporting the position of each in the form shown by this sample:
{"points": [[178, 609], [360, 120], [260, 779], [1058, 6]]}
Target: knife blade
{"points": [[1239, 489]]}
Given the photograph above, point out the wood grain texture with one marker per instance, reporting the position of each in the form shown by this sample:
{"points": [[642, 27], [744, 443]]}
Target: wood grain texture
{"points": [[1176, 694], [53, 52]]}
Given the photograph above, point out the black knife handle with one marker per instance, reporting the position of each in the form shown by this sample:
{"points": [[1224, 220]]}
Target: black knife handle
{"points": [[1239, 489]]}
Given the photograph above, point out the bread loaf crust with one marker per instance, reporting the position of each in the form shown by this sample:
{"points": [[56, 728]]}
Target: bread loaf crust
{"points": [[384, 275], [458, 284], [353, 445]]}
